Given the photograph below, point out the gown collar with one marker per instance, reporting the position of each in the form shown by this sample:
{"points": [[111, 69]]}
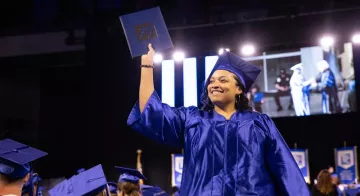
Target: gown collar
{"points": [[219, 117]]}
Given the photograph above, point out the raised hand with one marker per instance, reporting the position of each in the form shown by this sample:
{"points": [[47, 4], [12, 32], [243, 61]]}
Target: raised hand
{"points": [[148, 59]]}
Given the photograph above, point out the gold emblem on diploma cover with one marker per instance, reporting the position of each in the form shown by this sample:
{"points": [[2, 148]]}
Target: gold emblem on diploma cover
{"points": [[146, 31]]}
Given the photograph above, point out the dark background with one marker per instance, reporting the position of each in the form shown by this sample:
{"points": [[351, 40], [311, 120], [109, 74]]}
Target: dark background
{"points": [[76, 109]]}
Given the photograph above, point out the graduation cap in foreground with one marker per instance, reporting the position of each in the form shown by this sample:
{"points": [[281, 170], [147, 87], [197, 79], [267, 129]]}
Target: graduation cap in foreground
{"points": [[89, 181], [15, 158], [152, 190], [246, 72], [129, 175], [64, 188], [144, 27]]}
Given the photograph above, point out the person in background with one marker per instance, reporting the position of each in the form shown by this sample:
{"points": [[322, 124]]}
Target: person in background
{"points": [[326, 84], [282, 85], [352, 96], [299, 91], [256, 98], [15, 166], [129, 182], [324, 185], [228, 148]]}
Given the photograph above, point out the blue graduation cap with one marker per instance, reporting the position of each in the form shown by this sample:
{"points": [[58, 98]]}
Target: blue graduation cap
{"points": [[246, 72], [130, 175], [152, 190], [15, 158], [90, 181], [64, 188], [144, 27], [113, 187]]}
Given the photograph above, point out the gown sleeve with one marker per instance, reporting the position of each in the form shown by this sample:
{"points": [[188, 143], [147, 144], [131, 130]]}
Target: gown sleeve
{"points": [[159, 121], [281, 163], [325, 80]]}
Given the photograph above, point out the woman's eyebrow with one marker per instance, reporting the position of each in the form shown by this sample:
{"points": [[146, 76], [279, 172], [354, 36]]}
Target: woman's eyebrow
{"points": [[220, 77]]}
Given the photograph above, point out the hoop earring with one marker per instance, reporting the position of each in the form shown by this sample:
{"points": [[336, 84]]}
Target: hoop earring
{"points": [[237, 97]]}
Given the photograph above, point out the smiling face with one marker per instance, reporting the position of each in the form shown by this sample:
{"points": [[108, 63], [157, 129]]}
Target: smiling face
{"points": [[223, 88]]}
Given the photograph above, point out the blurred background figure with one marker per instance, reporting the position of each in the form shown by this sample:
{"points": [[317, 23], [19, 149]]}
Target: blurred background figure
{"points": [[256, 98], [300, 91], [324, 185], [282, 85], [15, 168], [326, 84], [351, 90], [129, 181]]}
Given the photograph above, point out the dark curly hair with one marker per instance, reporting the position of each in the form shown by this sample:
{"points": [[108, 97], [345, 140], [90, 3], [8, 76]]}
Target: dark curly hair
{"points": [[241, 101]]}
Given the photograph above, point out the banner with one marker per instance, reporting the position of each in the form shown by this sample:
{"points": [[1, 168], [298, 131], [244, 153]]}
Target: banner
{"points": [[177, 167], [302, 160], [346, 164]]}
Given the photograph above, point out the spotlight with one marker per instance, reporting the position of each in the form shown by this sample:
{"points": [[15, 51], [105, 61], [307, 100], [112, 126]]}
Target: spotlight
{"points": [[356, 39], [327, 41], [222, 50], [178, 56], [158, 58], [248, 50]]}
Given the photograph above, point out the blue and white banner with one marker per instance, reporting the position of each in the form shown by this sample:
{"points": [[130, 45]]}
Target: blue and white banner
{"points": [[346, 164], [177, 168], [302, 160]]}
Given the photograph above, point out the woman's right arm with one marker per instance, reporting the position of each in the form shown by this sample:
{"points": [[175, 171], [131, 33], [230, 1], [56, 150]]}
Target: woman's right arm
{"points": [[147, 77], [152, 118]]}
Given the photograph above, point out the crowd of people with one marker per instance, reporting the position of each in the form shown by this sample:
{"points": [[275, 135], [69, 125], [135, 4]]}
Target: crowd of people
{"points": [[328, 183], [17, 177]]}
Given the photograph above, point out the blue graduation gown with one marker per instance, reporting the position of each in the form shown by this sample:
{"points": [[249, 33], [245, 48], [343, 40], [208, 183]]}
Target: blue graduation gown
{"points": [[245, 155]]}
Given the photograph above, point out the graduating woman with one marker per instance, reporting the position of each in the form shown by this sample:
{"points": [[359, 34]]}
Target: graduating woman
{"points": [[228, 148]]}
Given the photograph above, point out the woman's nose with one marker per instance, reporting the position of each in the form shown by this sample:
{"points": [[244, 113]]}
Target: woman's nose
{"points": [[214, 85]]}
